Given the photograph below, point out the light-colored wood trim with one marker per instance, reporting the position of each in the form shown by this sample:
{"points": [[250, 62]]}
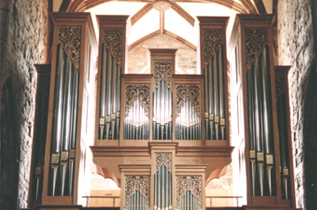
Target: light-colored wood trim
{"points": [[244, 8], [149, 36], [141, 13], [181, 39], [179, 10], [162, 22]]}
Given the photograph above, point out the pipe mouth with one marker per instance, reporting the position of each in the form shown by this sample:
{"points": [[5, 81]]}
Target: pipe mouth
{"points": [[162, 5]]}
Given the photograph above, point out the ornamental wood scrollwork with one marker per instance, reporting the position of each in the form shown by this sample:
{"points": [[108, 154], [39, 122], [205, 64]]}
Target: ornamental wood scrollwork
{"points": [[69, 39], [256, 39], [163, 159], [188, 183], [191, 92], [280, 85], [137, 183], [137, 91], [163, 70], [212, 42], [112, 39]]}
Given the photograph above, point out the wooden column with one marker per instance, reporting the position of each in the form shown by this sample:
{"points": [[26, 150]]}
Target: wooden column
{"points": [[41, 112]]}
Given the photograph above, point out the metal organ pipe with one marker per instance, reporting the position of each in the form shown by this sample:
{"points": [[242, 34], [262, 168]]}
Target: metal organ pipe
{"points": [[215, 123], [162, 189], [64, 125], [110, 89]]}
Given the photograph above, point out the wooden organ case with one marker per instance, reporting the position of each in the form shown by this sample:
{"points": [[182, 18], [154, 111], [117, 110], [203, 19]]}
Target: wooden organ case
{"points": [[158, 137], [262, 131], [162, 136], [71, 84]]}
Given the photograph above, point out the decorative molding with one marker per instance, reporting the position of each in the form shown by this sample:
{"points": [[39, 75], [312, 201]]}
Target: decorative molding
{"points": [[69, 38], [112, 39], [163, 159], [256, 39], [212, 39], [163, 70], [137, 183], [137, 91], [280, 86], [188, 183], [192, 92]]}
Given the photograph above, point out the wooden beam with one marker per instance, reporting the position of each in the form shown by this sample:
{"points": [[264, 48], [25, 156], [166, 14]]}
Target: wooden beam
{"points": [[77, 5], [181, 39], [260, 6], [143, 39], [179, 10], [162, 22], [147, 8], [64, 6]]}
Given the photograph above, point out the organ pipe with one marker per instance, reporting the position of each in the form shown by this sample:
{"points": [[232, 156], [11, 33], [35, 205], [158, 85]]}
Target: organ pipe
{"points": [[260, 122], [162, 189], [110, 93], [64, 125], [162, 112], [215, 124]]}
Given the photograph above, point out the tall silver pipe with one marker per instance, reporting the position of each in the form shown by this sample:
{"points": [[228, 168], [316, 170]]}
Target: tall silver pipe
{"points": [[216, 94], [221, 94], [103, 91], [211, 98]]}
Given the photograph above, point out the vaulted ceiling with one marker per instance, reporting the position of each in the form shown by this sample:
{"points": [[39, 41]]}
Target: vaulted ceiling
{"points": [[178, 22]]}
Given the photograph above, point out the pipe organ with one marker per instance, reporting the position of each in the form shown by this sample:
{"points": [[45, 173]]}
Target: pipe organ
{"points": [[254, 45], [162, 136], [214, 69], [74, 45]]}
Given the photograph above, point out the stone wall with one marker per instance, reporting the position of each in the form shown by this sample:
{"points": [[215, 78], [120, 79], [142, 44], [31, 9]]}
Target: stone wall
{"points": [[139, 56], [296, 48], [24, 39]]}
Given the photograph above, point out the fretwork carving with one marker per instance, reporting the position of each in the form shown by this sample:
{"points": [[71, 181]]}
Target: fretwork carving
{"points": [[188, 183], [192, 92], [137, 91], [112, 39], [163, 70], [137, 183], [163, 159], [212, 42], [280, 85], [256, 39], [69, 39]]}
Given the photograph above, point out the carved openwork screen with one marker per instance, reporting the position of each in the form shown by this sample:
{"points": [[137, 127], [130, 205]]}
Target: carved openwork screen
{"points": [[188, 107], [136, 125], [63, 140], [137, 192], [259, 100], [189, 192]]}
